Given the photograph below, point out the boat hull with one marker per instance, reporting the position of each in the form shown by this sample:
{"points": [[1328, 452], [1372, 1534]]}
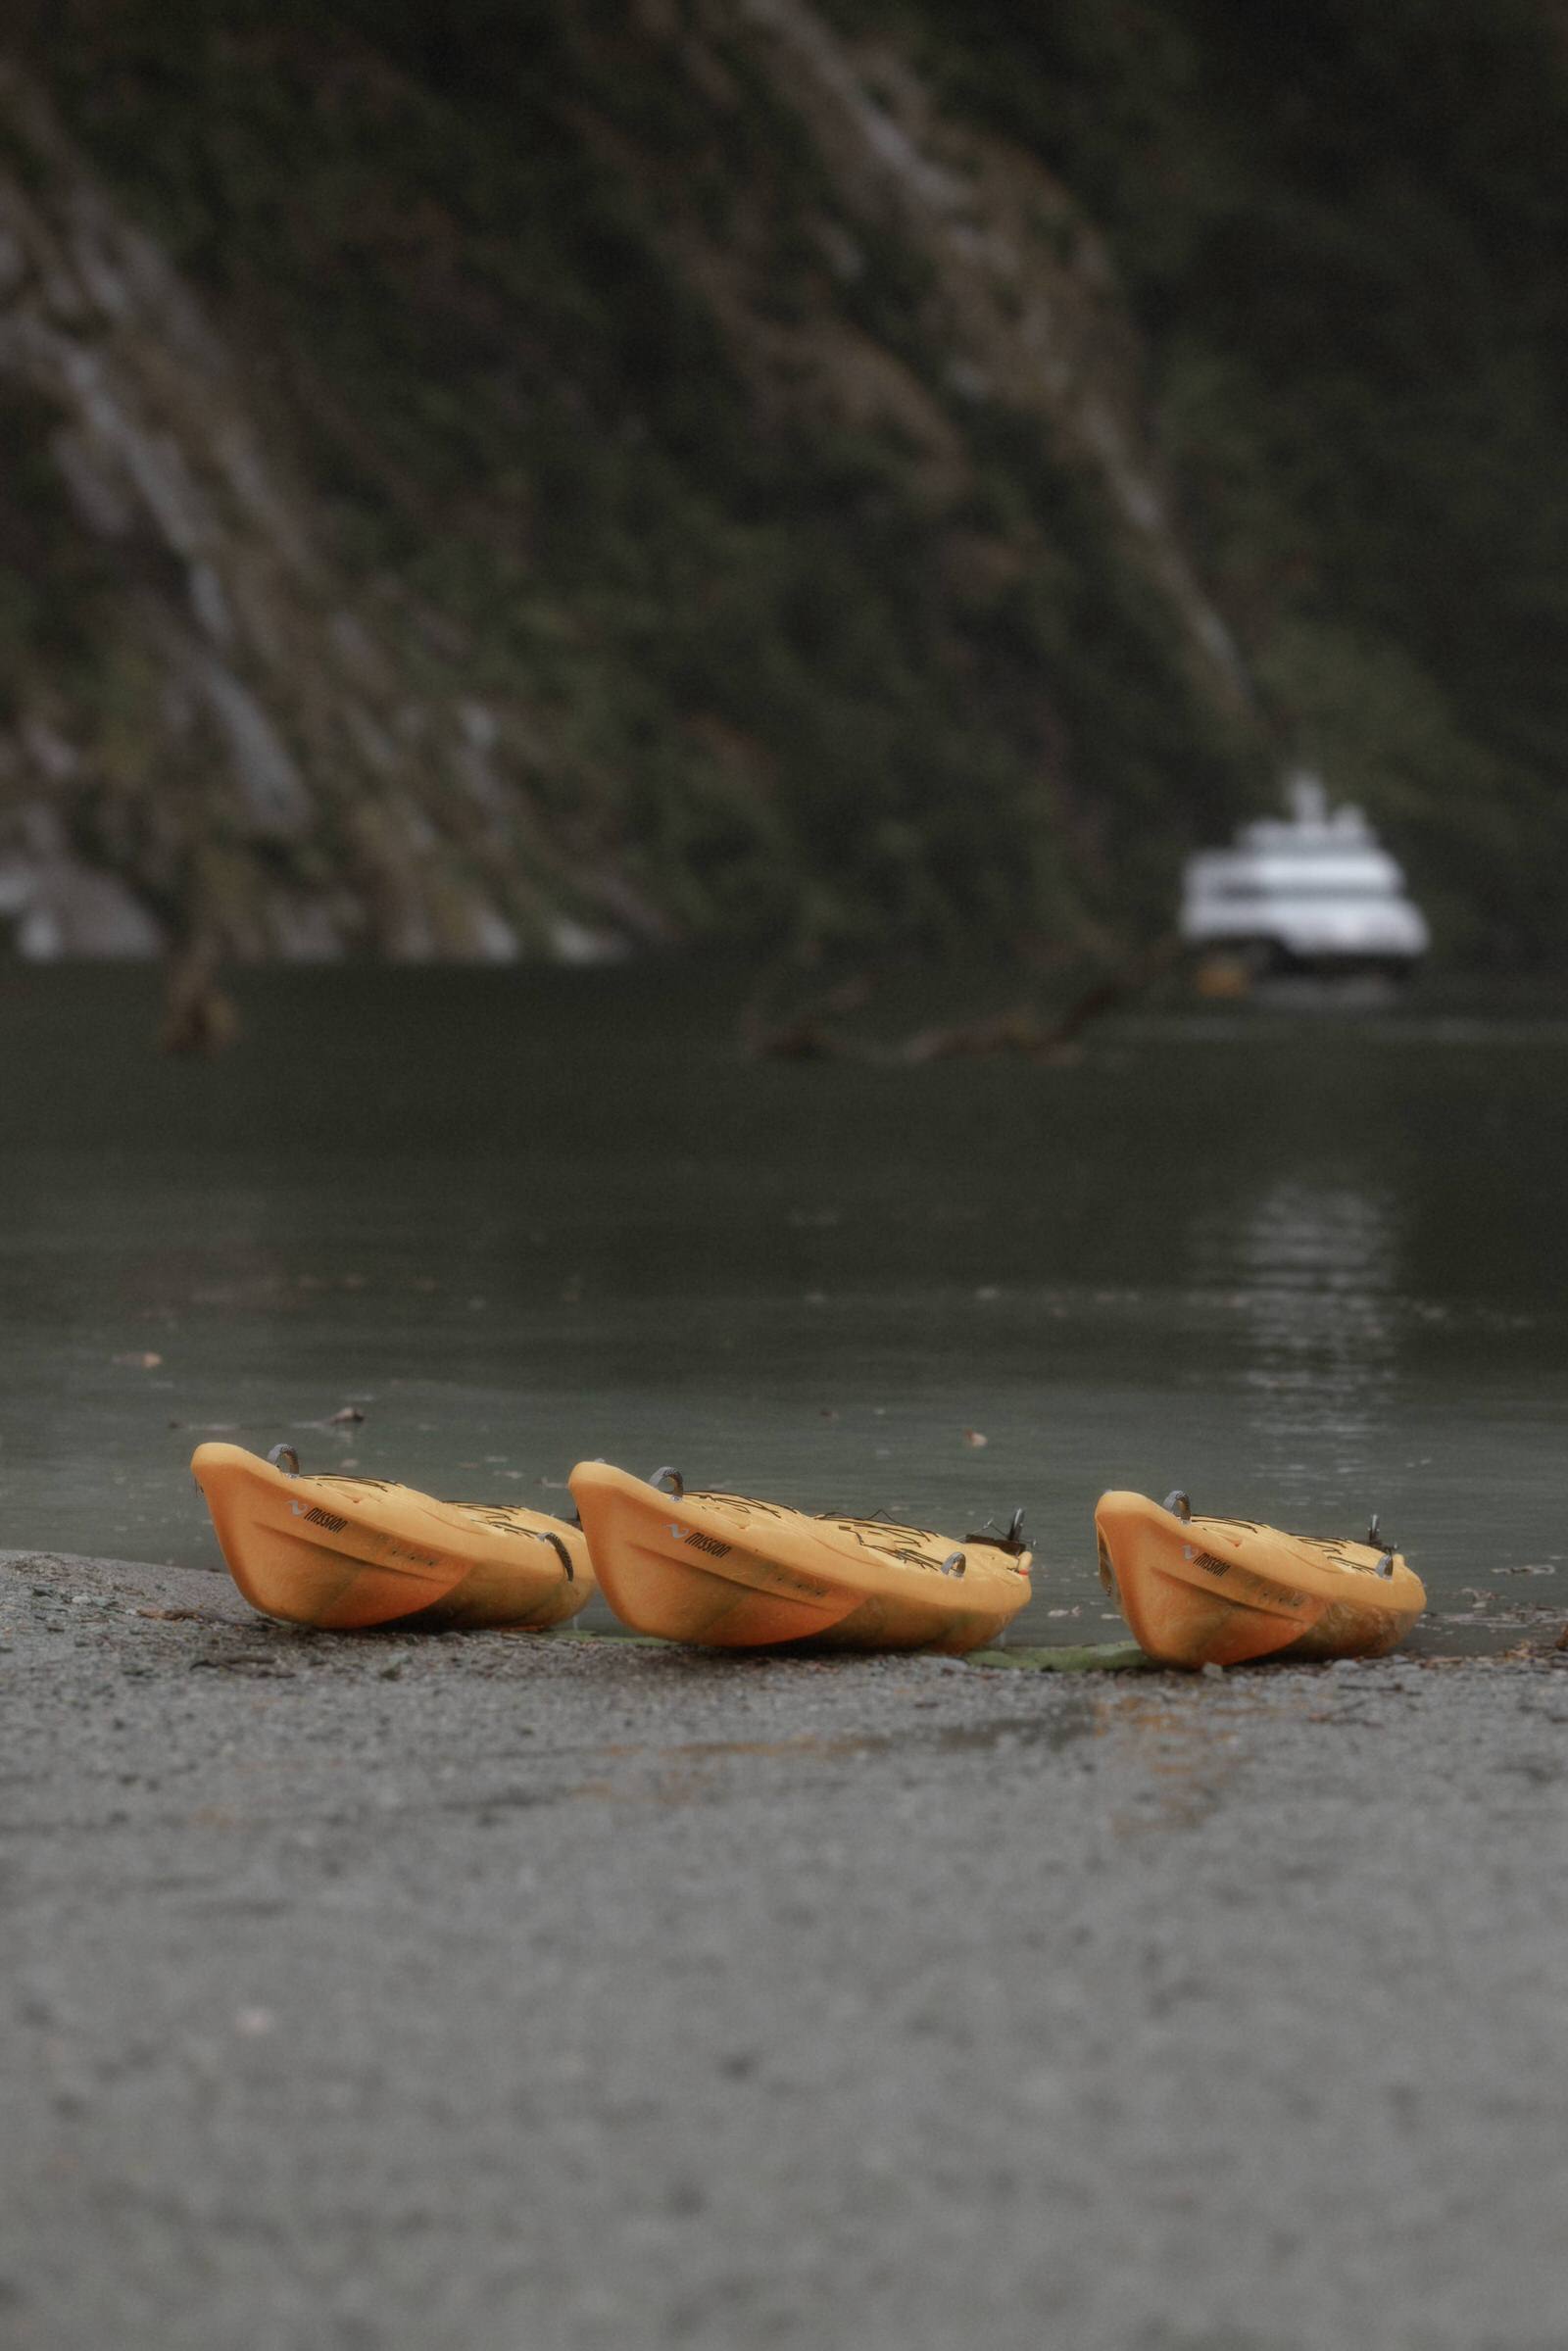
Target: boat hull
{"points": [[1315, 892], [1223, 1591], [345, 1554], [723, 1571]]}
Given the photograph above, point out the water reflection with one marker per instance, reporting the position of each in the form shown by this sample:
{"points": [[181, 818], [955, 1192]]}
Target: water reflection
{"points": [[1312, 1266]]}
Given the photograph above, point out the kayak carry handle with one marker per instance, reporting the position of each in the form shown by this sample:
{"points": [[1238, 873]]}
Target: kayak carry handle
{"points": [[954, 1564], [286, 1458], [1177, 1500], [669, 1481], [1380, 1543], [1013, 1538]]}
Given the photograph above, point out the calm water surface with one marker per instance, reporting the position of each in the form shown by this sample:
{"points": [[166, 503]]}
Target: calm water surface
{"points": [[1304, 1268]]}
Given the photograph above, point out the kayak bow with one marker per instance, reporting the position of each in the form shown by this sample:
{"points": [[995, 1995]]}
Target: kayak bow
{"points": [[1205, 1590], [729, 1571], [346, 1552]]}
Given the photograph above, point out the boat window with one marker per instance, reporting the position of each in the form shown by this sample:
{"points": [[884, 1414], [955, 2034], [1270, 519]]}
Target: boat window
{"points": [[1296, 886]]}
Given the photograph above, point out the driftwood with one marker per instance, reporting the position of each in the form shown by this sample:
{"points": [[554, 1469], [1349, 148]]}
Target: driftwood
{"points": [[811, 1032], [198, 1018], [1020, 1031], [1116, 988]]}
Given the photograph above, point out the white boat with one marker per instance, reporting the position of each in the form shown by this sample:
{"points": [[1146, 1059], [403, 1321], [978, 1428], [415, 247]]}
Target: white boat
{"points": [[1314, 892]]}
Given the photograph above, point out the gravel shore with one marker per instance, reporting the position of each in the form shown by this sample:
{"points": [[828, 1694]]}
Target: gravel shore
{"points": [[520, 1994]]}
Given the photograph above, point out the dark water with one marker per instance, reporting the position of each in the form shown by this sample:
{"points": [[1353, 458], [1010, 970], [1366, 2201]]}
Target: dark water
{"points": [[1302, 1267]]}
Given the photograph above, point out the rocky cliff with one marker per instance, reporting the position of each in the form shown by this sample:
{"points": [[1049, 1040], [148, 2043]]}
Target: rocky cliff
{"points": [[621, 472]]}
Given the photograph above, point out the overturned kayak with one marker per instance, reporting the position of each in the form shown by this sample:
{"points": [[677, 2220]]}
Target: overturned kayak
{"points": [[728, 1572], [346, 1552], [1199, 1591]]}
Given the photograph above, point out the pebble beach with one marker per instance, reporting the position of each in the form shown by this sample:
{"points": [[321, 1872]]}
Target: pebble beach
{"points": [[500, 1990]]}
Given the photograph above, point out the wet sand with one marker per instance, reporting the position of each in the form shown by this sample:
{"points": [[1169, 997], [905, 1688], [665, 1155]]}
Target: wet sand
{"points": [[517, 1995]]}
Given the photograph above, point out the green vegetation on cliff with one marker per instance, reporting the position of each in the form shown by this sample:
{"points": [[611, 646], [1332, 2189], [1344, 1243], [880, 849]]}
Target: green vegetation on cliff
{"points": [[1341, 231], [844, 449]]}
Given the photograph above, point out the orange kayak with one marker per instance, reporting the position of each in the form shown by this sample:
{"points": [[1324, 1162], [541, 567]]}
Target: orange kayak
{"points": [[347, 1553], [1220, 1590], [727, 1572]]}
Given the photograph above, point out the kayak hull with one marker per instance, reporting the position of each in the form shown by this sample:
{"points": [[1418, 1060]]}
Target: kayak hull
{"points": [[724, 1571], [345, 1554], [1207, 1591]]}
